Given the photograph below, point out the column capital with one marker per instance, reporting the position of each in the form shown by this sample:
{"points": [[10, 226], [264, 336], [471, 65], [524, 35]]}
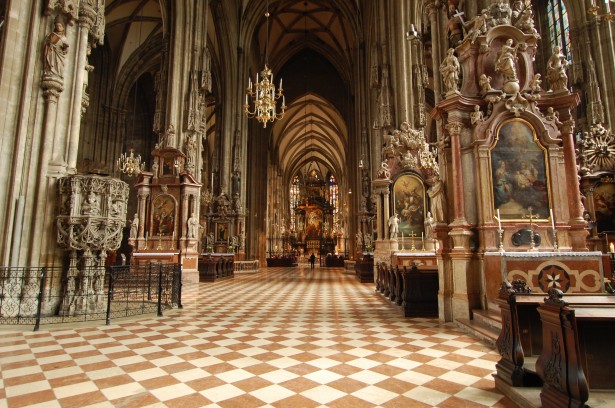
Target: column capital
{"points": [[454, 128], [568, 127]]}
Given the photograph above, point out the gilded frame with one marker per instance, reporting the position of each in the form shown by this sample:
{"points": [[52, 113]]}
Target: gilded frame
{"points": [[409, 203]]}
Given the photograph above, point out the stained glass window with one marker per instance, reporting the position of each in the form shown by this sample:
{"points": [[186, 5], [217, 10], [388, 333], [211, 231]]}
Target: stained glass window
{"points": [[559, 29]]}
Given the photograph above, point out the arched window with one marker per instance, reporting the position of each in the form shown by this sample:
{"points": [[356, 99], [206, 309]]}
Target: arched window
{"points": [[295, 196], [559, 29]]}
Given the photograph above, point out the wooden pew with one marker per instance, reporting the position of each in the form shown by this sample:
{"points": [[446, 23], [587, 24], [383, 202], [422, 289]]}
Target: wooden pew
{"points": [[522, 333], [577, 350], [414, 290], [420, 291]]}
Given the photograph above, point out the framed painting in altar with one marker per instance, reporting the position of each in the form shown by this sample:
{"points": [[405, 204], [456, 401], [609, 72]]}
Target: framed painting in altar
{"points": [[163, 215], [604, 206], [409, 204], [222, 232], [313, 223], [519, 172]]}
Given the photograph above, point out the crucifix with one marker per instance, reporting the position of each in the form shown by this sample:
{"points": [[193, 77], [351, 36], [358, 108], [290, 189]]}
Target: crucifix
{"points": [[412, 236], [459, 15], [531, 217], [159, 247]]}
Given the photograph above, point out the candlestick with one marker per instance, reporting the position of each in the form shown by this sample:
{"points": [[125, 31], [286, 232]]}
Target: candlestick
{"points": [[212, 182], [499, 220], [552, 218], [612, 247]]}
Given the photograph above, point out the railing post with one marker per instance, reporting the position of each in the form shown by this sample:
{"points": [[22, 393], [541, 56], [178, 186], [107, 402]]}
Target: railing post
{"points": [[179, 286], [110, 296], [159, 290], [39, 307], [149, 281]]}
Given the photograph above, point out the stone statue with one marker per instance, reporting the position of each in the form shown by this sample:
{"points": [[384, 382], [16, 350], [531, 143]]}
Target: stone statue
{"points": [[476, 116], [235, 183], [170, 137], [393, 226], [193, 227], [429, 221], [535, 84], [384, 172], [505, 64], [91, 205], [556, 70], [438, 200], [454, 27], [56, 48], [485, 83], [191, 152], [134, 227], [523, 17], [477, 26], [450, 72]]}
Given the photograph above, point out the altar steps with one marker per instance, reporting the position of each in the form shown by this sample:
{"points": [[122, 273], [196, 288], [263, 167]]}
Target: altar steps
{"points": [[485, 325]]}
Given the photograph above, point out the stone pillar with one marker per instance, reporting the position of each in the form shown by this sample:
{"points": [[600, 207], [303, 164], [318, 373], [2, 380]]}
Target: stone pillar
{"points": [[87, 17], [577, 233]]}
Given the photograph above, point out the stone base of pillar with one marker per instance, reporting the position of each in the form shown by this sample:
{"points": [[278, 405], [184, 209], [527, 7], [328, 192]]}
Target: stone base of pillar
{"points": [[461, 237], [578, 238]]}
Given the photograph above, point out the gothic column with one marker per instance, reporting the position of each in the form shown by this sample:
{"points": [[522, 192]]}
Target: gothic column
{"points": [[432, 10], [88, 15]]}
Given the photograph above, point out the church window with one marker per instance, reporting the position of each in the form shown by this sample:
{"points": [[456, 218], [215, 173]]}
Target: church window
{"points": [[559, 29]]}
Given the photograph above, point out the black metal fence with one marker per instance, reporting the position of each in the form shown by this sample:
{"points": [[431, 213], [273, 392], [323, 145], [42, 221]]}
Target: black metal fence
{"points": [[52, 295]]}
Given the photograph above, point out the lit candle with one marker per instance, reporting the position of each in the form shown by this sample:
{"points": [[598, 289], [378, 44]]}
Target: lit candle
{"points": [[552, 218], [499, 220], [212, 181], [280, 83], [246, 99], [612, 247], [422, 239]]}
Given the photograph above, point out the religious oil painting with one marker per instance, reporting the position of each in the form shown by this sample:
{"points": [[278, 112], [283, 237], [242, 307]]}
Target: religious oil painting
{"points": [[163, 215], [409, 199], [604, 206], [222, 231], [313, 224], [519, 173]]}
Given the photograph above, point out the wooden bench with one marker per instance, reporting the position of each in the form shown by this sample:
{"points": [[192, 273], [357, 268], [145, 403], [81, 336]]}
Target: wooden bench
{"points": [[214, 267], [414, 290], [577, 350], [523, 333]]}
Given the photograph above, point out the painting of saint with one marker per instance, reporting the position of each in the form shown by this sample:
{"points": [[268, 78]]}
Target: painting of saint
{"points": [[518, 171], [163, 215], [313, 225], [409, 199], [604, 206]]}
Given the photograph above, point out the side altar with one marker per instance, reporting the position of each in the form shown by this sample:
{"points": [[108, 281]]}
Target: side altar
{"points": [[166, 228]]}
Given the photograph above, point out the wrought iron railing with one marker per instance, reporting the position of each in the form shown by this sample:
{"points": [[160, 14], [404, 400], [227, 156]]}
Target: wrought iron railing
{"points": [[35, 296]]}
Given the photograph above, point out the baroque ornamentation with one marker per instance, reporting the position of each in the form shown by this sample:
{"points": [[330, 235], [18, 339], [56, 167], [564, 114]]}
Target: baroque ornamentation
{"points": [[596, 150]]}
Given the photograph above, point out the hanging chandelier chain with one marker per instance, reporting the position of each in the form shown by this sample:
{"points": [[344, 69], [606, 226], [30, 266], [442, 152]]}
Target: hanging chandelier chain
{"points": [[263, 93], [130, 164]]}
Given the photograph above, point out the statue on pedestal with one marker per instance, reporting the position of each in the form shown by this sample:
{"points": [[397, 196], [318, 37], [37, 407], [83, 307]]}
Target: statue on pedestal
{"points": [[556, 70], [393, 226], [450, 72], [56, 48]]}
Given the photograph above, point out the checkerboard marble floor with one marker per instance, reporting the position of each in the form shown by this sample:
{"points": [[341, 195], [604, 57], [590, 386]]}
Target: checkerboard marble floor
{"points": [[284, 337]]}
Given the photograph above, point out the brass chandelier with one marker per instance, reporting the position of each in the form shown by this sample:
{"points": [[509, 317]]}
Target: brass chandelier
{"points": [[130, 164], [263, 94]]}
